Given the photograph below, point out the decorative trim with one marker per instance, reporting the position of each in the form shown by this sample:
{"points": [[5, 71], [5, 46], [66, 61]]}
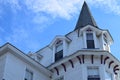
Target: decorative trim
{"points": [[106, 59], [110, 63], [92, 59], [83, 59], [115, 67], [57, 70], [115, 73], [79, 59], [64, 67], [89, 29], [116, 70], [101, 59], [71, 62]]}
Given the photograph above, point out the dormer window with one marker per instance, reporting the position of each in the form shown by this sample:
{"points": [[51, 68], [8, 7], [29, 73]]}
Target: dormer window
{"points": [[105, 39], [90, 41], [58, 50], [106, 47]]}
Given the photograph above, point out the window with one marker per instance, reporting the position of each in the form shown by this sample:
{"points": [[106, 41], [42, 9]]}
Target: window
{"points": [[28, 75], [59, 50], [60, 78], [93, 73], [106, 46], [90, 41], [38, 57], [105, 39]]}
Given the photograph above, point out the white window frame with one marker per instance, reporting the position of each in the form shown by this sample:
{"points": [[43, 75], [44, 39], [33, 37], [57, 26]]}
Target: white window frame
{"points": [[58, 44], [28, 73], [97, 74], [93, 38], [60, 78]]}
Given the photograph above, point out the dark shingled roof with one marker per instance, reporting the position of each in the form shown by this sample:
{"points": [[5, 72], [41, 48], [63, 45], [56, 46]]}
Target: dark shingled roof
{"points": [[85, 18]]}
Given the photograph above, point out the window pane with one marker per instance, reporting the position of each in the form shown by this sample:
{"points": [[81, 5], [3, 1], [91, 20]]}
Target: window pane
{"points": [[90, 41], [60, 78], [59, 47], [105, 40], [93, 78], [59, 50], [28, 75], [90, 44], [89, 36], [59, 55], [93, 73]]}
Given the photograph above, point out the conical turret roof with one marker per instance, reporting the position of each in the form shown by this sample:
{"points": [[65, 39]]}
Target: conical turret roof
{"points": [[85, 18]]}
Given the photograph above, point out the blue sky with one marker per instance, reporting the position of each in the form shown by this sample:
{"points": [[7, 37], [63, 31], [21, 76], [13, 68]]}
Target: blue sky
{"points": [[32, 24]]}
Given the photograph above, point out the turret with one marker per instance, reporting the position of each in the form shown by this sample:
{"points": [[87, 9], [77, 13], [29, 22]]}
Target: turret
{"points": [[93, 37]]}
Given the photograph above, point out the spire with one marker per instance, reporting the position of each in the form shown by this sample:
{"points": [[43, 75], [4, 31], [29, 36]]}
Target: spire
{"points": [[85, 17]]}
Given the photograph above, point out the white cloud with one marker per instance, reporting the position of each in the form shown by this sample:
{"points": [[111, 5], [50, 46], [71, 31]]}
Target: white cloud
{"points": [[63, 8], [25, 35], [40, 19], [67, 8], [107, 5], [14, 4], [55, 8], [58, 8], [17, 35]]}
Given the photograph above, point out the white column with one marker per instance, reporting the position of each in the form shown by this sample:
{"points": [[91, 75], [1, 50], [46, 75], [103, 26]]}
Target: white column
{"points": [[84, 40], [64, 48], [53, 53], [95, 39], [109, 48], [102, 72], [84, 72], [102, 41]]}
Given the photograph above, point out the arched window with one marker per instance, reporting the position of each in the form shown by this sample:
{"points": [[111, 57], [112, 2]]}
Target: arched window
{"points": [[58, 50]]}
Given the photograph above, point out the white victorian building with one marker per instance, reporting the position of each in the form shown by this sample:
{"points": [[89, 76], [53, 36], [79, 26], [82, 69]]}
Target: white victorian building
{"points": [[82, 54]]}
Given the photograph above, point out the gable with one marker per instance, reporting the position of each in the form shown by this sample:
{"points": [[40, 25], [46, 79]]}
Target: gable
{"points": [[23, 57]]}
